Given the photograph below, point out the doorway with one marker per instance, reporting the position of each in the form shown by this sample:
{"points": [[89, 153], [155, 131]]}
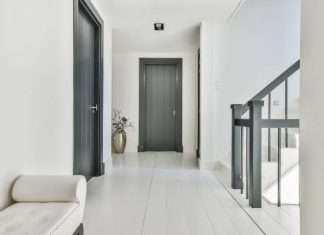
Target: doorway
{"points": [[88, 90], [160, 121]]}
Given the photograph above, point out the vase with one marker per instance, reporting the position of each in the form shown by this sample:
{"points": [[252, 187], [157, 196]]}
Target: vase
{"points": [[119, 141]]}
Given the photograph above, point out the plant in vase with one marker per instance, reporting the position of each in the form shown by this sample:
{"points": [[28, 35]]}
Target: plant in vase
{"points": [[119, 138]]}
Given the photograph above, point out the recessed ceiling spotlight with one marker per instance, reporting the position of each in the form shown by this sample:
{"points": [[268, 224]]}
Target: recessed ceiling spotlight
{"points": [[158, 26]]}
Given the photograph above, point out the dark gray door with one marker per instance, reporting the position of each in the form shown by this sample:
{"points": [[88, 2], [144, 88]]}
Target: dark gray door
{"points": [[160, 107], [86, 102]]}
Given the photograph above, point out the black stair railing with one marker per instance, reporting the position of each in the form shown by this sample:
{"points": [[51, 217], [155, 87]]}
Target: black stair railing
{"points": [[252, 128]]}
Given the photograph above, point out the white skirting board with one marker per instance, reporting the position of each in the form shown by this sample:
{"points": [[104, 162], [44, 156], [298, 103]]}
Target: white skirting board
{"points": [[212, 165]]}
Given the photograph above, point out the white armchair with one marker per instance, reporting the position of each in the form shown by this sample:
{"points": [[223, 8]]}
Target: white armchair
{"points": [[45, 205]]}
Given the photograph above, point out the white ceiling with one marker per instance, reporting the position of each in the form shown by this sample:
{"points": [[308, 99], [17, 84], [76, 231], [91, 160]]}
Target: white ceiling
{"points": [[133, 23]]}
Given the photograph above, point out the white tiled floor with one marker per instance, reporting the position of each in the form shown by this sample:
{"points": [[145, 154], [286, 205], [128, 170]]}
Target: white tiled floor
{"points": [[162, 194]]}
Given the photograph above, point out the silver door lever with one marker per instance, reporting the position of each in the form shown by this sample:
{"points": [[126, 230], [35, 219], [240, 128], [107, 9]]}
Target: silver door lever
{"points": [[94, 109]]}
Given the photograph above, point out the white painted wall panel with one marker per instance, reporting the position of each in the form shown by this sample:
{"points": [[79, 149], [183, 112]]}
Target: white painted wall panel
{"points": [[312, 116], [36, 89], [239, 58]]}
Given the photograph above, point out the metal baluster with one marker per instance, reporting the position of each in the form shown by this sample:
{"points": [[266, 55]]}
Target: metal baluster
{"points": [[279, 167], [255, 155], [286, 111], [247, 163], [269, 129], [242, 183], [236, 148]]}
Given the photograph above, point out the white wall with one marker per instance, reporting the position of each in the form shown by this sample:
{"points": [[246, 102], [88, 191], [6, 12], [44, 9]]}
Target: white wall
{"points": [[126, 93], [36, 85], [36, 90], [312, 116], [239, 58]]}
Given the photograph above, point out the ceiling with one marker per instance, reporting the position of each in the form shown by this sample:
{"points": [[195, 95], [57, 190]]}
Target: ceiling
{"points": [[133, 23]]}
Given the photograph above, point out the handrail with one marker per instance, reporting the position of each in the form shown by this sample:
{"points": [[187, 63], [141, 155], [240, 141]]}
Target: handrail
{"points": [[274, 84], [269, 123], [253, 126]]}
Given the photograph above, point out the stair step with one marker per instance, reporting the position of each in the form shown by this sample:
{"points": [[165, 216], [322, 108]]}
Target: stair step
{"points": [[289, 189], [289, 159], [289, 176]]}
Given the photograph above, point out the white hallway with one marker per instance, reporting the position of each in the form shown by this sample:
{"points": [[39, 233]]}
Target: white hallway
{"points": [[164, 193]]}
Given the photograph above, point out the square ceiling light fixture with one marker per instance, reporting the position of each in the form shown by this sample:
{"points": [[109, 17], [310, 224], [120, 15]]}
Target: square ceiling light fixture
{"points": [[158, 26]]}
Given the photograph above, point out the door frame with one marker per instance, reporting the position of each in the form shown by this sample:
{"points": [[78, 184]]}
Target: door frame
{"points": [[88, 8], [142, 97], [199, 106]]}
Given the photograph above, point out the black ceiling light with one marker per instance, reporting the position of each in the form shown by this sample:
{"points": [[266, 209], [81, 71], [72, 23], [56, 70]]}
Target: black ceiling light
{"points": [[158, 26]]}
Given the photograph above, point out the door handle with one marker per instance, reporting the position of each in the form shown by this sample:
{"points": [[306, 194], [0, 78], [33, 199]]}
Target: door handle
{"points": [[174, 113], [94, 109]]}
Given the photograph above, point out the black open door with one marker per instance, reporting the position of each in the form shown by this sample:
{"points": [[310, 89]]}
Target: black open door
{"points": [[87, 90]]}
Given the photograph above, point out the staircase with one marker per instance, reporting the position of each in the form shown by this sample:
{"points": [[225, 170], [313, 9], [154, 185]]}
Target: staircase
{"points": [[272, 176], [289, 178]]}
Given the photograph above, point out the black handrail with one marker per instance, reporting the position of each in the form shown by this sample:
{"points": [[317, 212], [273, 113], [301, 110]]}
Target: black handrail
{"points": [[269, 123], [273, 85], [254, 125]]}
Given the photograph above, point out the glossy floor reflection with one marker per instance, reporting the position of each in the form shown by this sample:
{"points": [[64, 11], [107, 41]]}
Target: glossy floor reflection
{"points": [[162, 194]]}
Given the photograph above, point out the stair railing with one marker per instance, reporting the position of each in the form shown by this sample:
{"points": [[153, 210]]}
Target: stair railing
{"points": [[253, 126]]}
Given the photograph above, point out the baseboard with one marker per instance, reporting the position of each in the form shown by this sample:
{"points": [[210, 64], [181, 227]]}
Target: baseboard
{"points": [[207, 165], [108, 165], [103, 168], [212, 165], [140, 148], [180, 148], [198, 153], [224, 164]]}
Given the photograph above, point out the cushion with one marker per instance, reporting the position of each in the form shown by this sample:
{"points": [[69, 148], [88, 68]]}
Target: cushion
{"points": [[49, 189], [40, 219]]}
